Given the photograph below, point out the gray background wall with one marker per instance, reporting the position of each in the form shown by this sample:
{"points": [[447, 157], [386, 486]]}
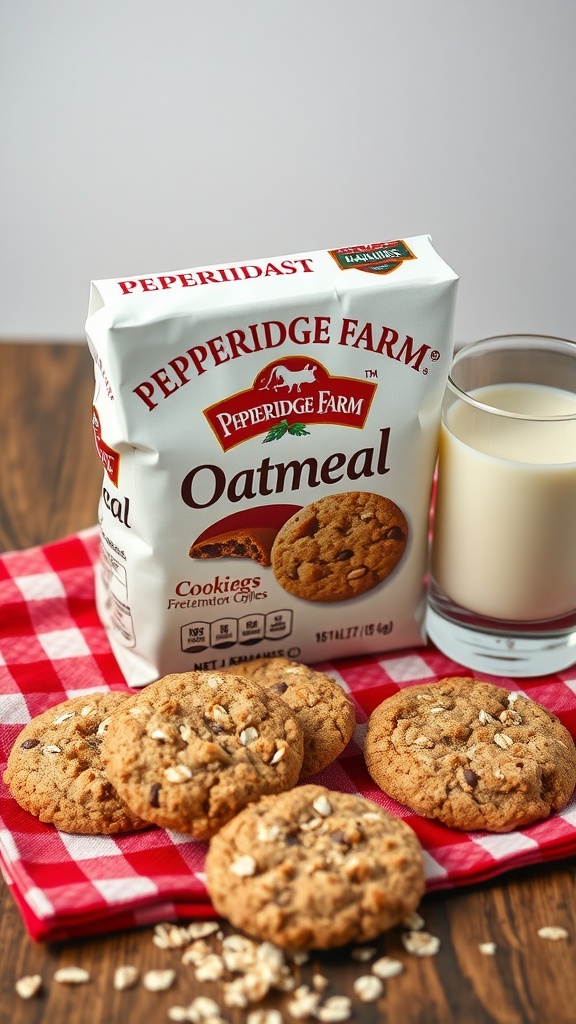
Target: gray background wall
{"points": [[139, 136]]}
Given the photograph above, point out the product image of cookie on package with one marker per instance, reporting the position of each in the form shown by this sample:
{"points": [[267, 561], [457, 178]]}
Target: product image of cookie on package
{"points": [[268, 431]]}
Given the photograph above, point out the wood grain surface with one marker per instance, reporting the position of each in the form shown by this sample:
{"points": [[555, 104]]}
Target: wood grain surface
{"points": [[49, 483]]}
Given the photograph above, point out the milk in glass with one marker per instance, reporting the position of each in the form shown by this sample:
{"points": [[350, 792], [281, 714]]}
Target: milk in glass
{"points": [[505, 533]]}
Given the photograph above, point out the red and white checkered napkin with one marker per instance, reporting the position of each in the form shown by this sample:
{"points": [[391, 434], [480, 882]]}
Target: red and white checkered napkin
{"points": [[53, 647]]}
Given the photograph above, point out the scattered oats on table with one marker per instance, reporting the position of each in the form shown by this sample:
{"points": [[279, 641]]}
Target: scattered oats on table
{"points": [[488, 948], [553, 932], [71, 976], [28, 986], [159, 980], [387, 967], [125, 976], [421, 943], [368, 988]]}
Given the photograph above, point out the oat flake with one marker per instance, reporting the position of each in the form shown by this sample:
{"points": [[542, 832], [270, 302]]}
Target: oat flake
{"points": [[125, 977], [248, 735], [205, 1007], [159, 981], [488, 948], [387, 967], [210, 968], [179, 1013], [502, 740], [71, 976], [421, 943], [159, 734], [319, 982], [368, 988], [336, 1008], [234, 994], [178, 773], [28, 986], [244, 866], [196, 953], [304, 1003], [322, 806], [264, 1017], [552, 932]]}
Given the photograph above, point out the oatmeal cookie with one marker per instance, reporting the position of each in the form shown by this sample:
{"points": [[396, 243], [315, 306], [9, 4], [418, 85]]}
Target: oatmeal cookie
{"points": [[471, 754], [320, 706], [339, 546], [313, 868], [55, 769], [194, 748]]}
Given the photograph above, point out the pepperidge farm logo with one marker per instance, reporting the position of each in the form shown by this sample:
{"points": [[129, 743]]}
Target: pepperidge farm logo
{"points": [[377, 258], [286, 398]]}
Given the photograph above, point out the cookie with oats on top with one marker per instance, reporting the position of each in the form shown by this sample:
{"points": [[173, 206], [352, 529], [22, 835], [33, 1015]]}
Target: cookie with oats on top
{"points": [[194, 748], [315, 868], [322, 709], [55, 769], [471, 754]]}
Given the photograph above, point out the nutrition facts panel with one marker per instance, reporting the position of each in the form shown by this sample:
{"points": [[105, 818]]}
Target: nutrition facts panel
{"points": [[225, 632], [114, 579]]}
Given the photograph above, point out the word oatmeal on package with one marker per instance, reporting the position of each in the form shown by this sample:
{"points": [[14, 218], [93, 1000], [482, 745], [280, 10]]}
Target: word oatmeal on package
{"points": [[268, 432]]}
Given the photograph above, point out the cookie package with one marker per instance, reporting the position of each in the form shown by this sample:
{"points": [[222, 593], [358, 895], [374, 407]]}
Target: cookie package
{"points": [[268, 431]]}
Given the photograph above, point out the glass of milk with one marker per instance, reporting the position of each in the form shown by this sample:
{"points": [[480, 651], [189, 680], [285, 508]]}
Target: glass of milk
{"points": [[503, 559]]}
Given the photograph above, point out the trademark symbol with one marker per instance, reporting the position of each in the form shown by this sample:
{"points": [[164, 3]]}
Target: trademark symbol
{"points": [[435, 355], [370, 373]]}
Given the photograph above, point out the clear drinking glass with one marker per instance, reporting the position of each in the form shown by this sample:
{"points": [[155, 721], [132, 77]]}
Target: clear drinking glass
{"points": [[503, 561]]}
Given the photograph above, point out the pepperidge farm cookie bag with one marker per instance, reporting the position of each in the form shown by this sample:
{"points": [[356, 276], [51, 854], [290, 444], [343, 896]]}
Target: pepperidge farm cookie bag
{"points": [[268, 432]]}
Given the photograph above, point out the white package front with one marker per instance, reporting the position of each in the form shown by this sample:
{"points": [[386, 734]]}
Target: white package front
{"points": [[268, 432]]}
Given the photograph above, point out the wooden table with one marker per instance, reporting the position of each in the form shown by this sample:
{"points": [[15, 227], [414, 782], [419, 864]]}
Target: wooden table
{"points": [[49, 483]]}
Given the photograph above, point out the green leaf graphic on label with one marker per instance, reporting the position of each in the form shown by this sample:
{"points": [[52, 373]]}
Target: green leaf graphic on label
{"points": [[275, 433], [278, 431]]}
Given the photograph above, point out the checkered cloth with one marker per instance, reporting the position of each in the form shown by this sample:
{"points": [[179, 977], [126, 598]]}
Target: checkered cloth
{"points": [[53, 647]]}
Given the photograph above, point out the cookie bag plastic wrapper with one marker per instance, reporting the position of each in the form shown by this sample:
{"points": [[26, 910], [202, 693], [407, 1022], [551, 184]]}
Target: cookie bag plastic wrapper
{"points": [[268, 431]]}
